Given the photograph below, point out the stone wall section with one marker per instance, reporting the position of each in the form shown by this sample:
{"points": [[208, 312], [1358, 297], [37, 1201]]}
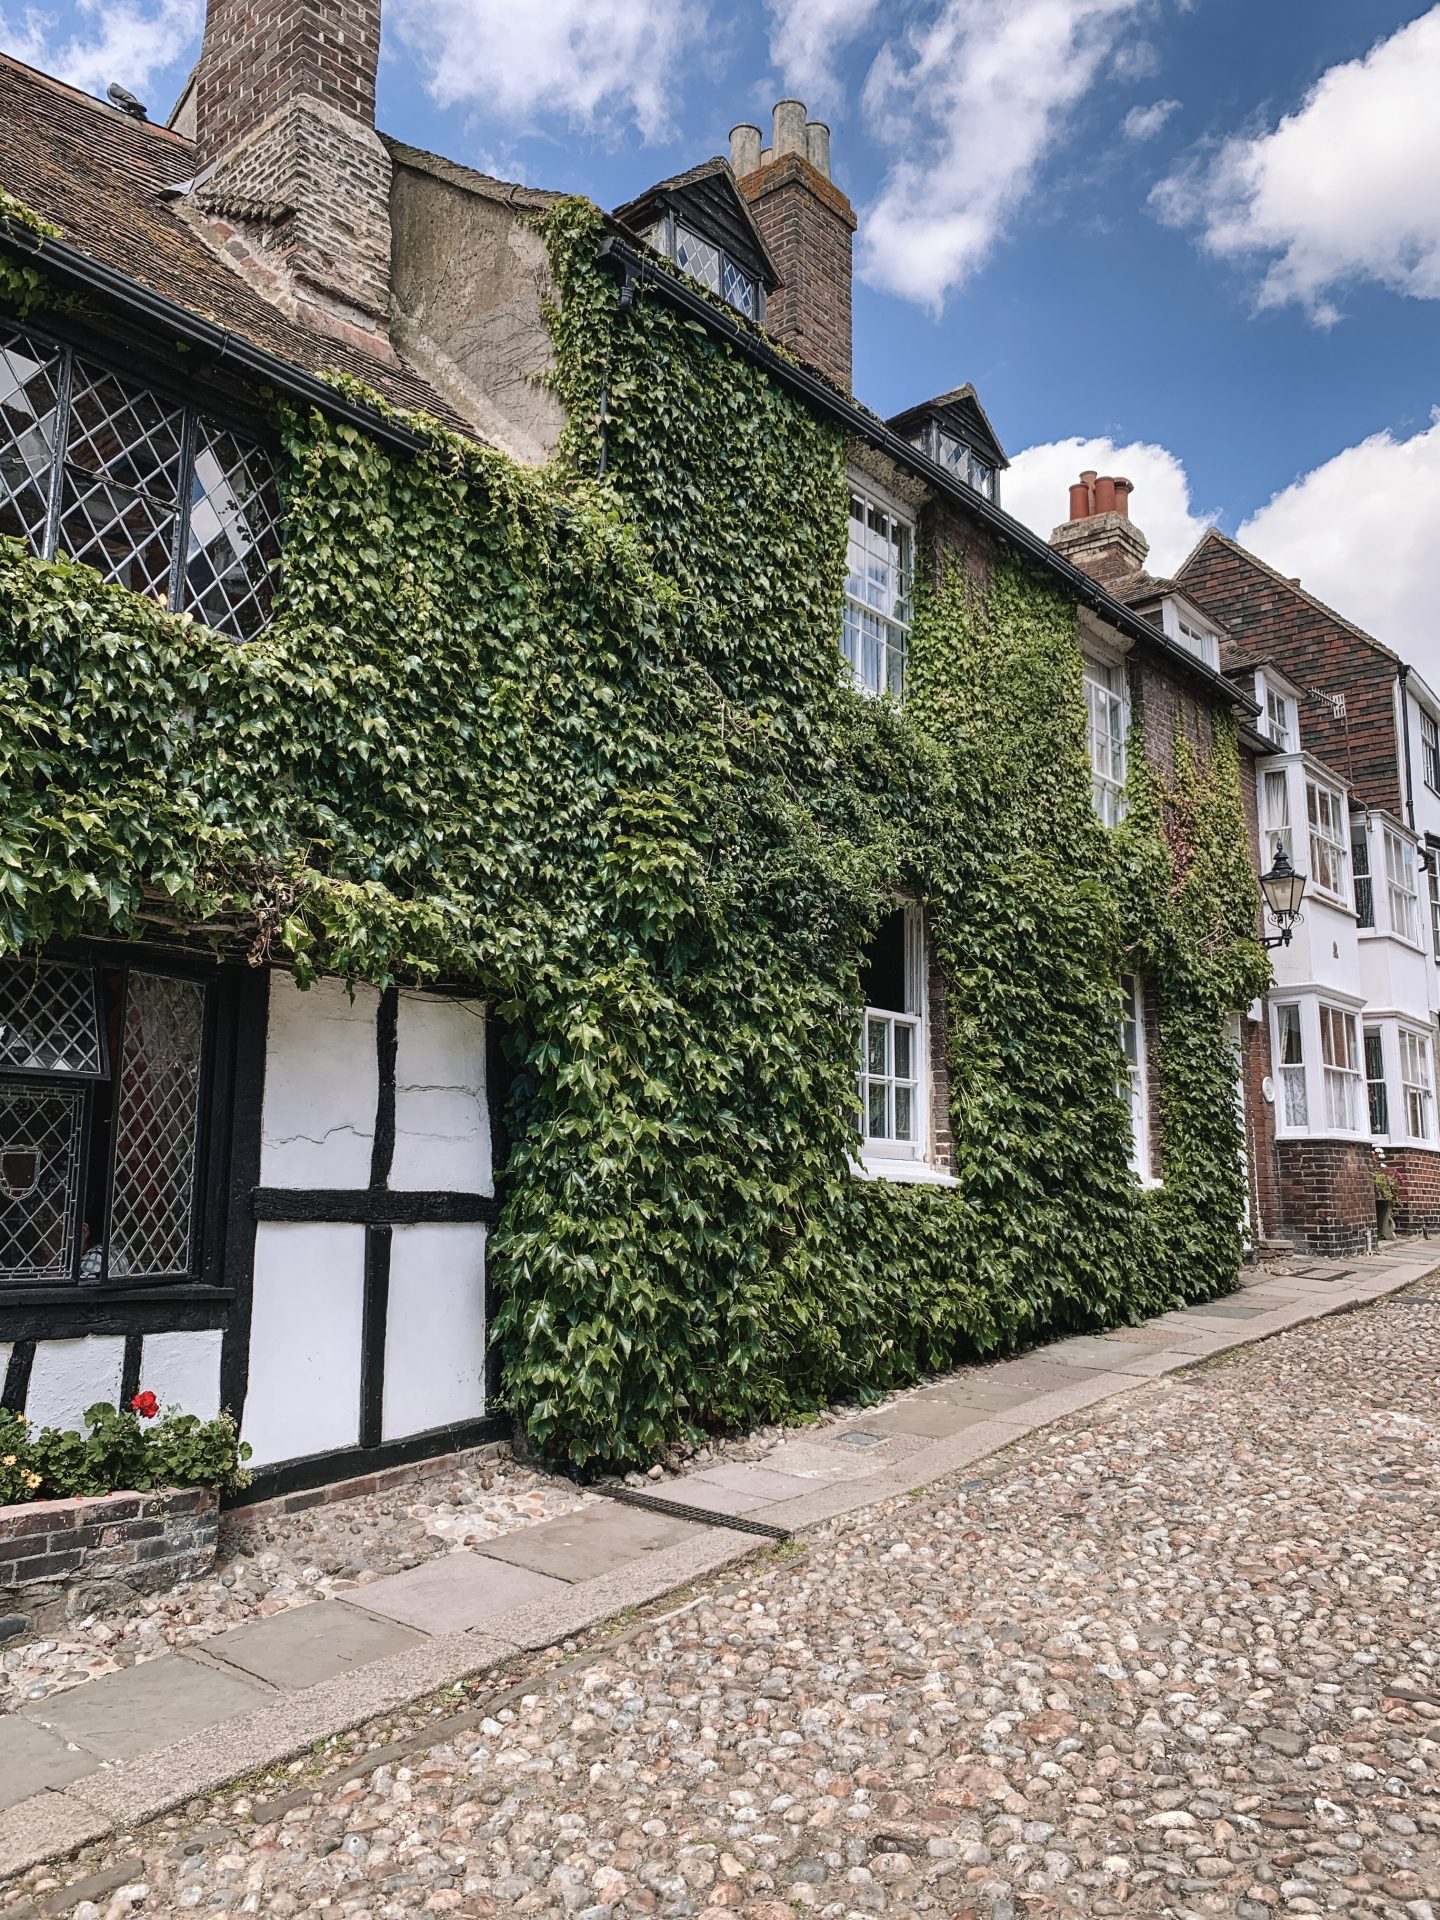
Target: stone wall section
{"points": [[53, 1552]]}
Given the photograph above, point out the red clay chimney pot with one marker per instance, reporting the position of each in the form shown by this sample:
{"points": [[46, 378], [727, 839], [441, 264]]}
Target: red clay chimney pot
{"points": [[1105, 494], [1079, 500], [1123, 491]]}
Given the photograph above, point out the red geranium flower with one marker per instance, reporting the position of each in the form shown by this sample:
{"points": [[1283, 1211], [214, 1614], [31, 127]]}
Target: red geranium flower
{"points": [[146, 1405]]}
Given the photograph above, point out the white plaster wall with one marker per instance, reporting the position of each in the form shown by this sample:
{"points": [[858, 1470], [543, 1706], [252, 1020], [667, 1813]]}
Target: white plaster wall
{"points": [[304, 1389], [442, 1129], [435, 1329], [183, 1370], [70, 1375], [321, 1085]]}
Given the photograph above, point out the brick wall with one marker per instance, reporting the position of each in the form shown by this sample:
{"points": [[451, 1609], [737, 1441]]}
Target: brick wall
{"points": [[49, 1548], [285, 104], [1417, 1171], [1268, 618], [807, 223], [1327, 1194], [259, 55]]}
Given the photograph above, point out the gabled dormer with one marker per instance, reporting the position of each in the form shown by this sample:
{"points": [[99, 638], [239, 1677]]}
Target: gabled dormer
{"points": [[701, 223], [953, 431], [1279, 702]]}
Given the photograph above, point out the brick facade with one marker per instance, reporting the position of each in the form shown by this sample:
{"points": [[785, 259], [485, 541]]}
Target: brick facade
{"points": [[54, 1554], [285, 107], [1270, 618], [1327, 1194], [807, 224], [1417, 1173]]}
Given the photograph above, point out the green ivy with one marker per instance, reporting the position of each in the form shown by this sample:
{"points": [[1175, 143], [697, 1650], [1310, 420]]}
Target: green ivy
{"points": [[586, 743]]}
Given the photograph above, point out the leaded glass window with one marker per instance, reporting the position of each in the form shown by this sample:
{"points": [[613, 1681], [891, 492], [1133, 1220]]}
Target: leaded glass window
{"points": [[101, 1072], [698, 258], [154, 495], [708, 263]]}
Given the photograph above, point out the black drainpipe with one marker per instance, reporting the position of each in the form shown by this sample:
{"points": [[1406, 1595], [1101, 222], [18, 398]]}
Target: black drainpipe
{"points": [[1402, 674]]}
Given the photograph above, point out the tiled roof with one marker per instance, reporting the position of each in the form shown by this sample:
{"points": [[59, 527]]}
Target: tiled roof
{"points": [[101, 178]]}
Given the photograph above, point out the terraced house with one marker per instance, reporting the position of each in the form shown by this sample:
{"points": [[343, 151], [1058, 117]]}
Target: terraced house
{"points": [[556, 867]]}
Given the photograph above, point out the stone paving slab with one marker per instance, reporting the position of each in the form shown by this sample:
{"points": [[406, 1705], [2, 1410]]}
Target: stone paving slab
{"points": [[148, 1706], [930, 1415], [740, 1477], [597, 1540], [1100, 1350], [47, 1826], [32, 1759], [454, 1594], [309, 1645]]}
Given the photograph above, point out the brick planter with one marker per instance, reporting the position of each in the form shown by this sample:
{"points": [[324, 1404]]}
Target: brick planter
{"points": [[57, 1556]]}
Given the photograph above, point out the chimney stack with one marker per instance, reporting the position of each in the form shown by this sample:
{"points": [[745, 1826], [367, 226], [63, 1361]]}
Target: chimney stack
{"points": [[284, 110], [807, 224], [1100, 536]]}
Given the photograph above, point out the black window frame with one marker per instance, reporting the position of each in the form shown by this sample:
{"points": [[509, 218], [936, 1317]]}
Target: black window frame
{"points": [[208, 1174], [140, 372], [665, 240]]}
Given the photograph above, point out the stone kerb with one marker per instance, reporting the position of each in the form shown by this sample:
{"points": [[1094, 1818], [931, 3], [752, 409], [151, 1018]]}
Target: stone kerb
{"points": [[51, 1550]]}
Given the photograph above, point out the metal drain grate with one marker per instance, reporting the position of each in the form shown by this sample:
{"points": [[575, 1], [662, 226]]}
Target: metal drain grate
{"points": [[698, 1516]]}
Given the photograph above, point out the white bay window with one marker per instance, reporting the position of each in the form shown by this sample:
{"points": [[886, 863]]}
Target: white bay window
{"points": [[1325, 813], [1416, 1085], [1340, 1069]]}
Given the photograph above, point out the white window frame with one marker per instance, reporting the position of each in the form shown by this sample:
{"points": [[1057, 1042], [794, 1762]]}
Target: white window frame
{"points": [[1288, 1052], [881, 1151], [1107, 729], [878, 591], [1341, 1069], [1325, 813], [1275, 804], [1279, 719], [1135, 1088], [1430, 750], [1402, 887], [1434, 889], [1377, 1082], [1417, 1084], [1205, 646]]}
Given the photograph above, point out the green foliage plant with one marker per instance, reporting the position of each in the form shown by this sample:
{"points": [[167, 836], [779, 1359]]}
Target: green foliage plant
{"points": [[118, 1450], [585, 742]]}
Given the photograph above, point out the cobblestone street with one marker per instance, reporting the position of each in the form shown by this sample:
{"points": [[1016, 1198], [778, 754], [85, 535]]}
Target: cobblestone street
{"points": [[1175, 1655]]}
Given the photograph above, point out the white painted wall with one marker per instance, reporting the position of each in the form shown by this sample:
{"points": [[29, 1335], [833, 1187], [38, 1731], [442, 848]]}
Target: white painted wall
{"points": [[304, 1388], [435, 1329], [321, 1085], [183, 1370], [70, 1375], [442, 1130]]}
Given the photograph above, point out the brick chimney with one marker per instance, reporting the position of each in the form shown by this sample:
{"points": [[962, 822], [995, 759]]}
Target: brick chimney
{"points": [[1100, 536], [284, 113], [807, 223]]}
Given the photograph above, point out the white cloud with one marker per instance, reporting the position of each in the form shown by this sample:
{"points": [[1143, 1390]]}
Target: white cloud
{"points": [[1143, 123], [1343, 189], [806, 36], [971, 100], [1136, 61], [127, 42], [1037, 491], [1360, 533], [592, 62]]}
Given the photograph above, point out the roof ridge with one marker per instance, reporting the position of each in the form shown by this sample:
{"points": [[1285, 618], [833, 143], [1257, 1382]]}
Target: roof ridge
{"points": [[93, 100]]}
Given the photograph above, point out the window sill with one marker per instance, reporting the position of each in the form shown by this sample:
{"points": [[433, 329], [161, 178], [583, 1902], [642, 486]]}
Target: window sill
{"points": [[1387, 933], [908, 1173]]}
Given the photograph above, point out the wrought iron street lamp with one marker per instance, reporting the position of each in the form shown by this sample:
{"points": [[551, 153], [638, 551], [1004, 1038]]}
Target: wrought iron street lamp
{"points": [[1284, 889]]}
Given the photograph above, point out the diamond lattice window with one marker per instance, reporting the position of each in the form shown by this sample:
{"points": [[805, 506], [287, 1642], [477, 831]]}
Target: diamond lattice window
{"points": [[29, 406], [100, 1082], [42, 1132], [156, 1122], [154, 495], [234, 534], [698, 258], [49, 1019]]}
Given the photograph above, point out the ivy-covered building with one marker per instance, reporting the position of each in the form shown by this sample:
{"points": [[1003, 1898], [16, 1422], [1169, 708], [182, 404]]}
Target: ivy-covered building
{"points": [[554, 867]]}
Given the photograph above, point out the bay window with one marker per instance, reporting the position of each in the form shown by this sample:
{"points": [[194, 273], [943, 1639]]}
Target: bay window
{"points": [[1340, 1069], [1430, 751], [1277, 815], [153, 494], [1276, 722], [1325, 813], [1290, 1060], [878, 585], [1402, 888], [1416, 1085], [1364, 885], [1379, 1093], [101, 1069], [1107, 721]]}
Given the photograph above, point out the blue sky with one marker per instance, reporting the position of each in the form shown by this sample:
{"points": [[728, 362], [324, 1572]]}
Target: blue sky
{"points": [[1196, 241]]}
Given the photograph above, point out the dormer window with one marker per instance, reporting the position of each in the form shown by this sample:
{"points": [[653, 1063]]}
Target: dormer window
{"points": [[1278, 721], [1199, 640], [963, 461], [710, 263]]}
